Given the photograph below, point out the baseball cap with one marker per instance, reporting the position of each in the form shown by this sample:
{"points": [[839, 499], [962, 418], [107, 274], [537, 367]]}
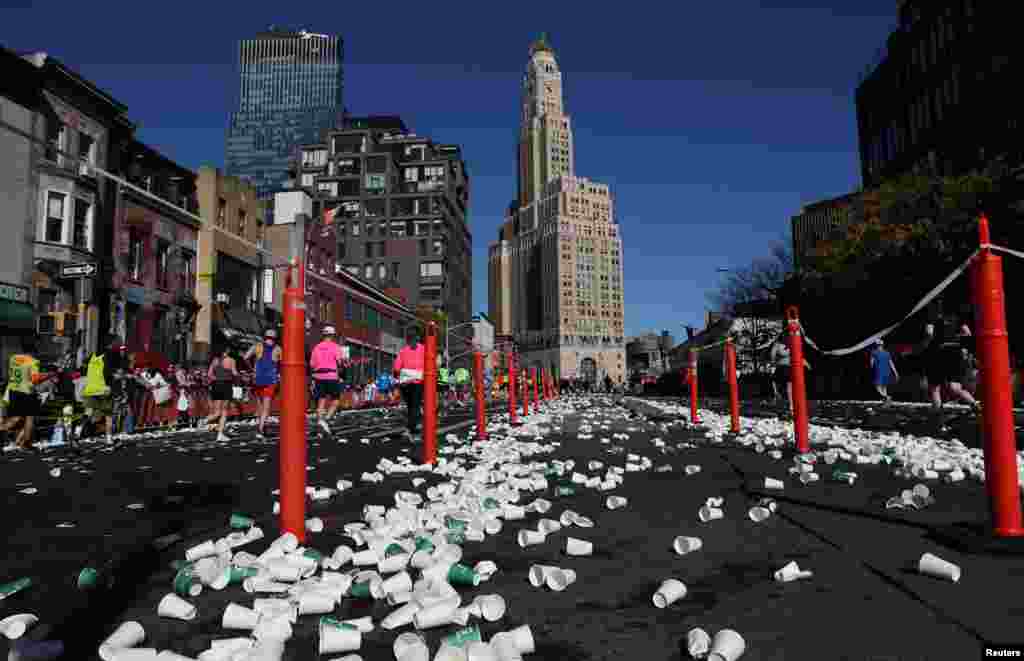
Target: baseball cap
{"points": [[329, 330], [271, 333]]}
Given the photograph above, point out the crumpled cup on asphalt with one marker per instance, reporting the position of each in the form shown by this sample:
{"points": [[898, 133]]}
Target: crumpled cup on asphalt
{"points": [[171, 606], [727, 645], [706, 514], [15, 626], [237, 616], [128, 634], [670, 591], [698, 643], [933, 565]]}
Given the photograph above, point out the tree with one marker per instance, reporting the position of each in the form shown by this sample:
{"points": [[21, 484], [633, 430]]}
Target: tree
{"points": [[743, 291]]}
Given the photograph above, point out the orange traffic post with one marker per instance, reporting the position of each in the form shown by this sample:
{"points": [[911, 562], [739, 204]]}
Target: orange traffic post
{"points": [[734, 387], [996, 390], [533, 379], [512, 383], [292, 446], [526, 392], [430, 395], [481, 416], [796, 359], [692, 378]]}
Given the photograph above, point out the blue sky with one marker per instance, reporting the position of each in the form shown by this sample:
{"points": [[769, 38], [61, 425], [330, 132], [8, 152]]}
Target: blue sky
{"points": [[712, 122]]}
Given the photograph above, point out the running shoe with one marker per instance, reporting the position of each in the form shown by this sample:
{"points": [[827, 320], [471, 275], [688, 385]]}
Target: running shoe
{"points": [[221, 438]]}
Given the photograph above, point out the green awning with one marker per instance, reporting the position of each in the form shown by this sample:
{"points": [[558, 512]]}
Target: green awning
{"points": [[15, 316]]}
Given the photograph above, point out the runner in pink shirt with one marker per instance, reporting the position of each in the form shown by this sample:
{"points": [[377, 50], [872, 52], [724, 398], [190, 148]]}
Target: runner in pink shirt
{"points": [[324, 362], [408, 369]]}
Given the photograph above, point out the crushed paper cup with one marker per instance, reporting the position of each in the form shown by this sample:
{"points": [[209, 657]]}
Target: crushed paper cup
{"points": [[759, 514], [363, 624], [128, 634], [15, 626], [548, 526], [706, 514], [204, 550], [338, 639], [691, 469], [933, 565], [530, 538], [698, 643], [615, 502], [237, 616], [175, 607], [408, 641], [485, 569], [436, 615], [727, 645], [401, 616], [492, 606], [578, 547], [523, 637], [538, 574], [791, 572], [559, 579], [772, 483], [683, 545]]}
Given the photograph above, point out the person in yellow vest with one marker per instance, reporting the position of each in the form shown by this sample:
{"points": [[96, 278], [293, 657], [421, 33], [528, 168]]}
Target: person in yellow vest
{"points": [[101, 380], [22, 403]]}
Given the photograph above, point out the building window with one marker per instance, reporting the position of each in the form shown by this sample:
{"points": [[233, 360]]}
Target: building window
{"points": [[55, 141], [86, 151], [188, 266], [423, 247], [368, 272], [382, 249], [355, 228], [222, 213], [163, 254], [382, 271], [368, 248], [431, 269], [439, 246], [55, 217], [307, 180], [241, 222], [411, 175], [422, 228], [395, 266], [135, 256], [341, 250]]}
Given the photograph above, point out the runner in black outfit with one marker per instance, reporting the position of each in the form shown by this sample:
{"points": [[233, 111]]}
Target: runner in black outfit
{"points": [[944, 356]]}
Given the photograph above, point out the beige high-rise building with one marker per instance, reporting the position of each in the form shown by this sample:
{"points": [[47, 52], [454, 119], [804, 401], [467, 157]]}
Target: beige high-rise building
{"points": [[557, 266]]}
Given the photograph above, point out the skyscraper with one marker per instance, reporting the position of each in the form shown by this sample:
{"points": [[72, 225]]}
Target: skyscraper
{"points": [[290, 92], [556, 269]]}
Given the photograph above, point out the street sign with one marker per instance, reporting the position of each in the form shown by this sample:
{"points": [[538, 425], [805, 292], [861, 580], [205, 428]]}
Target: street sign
{"points": [[82, 270]]}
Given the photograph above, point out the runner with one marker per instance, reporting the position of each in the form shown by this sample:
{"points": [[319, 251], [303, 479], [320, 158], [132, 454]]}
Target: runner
{"points": [[327, 355], [783, 368], [408, 369], [944, 356], [102, 384], [883, 370], [267, 356], [23, 403], [222, 375], [461, 383]]}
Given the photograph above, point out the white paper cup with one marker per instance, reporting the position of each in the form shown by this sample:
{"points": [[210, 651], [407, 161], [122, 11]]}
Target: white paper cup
{"points": [[809, 478], [173, 606], [727, 646], [407, 641], [698, 643], [933, 565], [530, 538], [239, 617], [15, 626], [394, 563], [480, 651], [615, 502], [168, 655], [492, 606], [335, 639], [448, 652], [548, 526], [759, 514], [671, 590], [523, 638], [400, 616], [135, 654], [557, 579], [492, 526], [706, 514], [400, 582], [578, 547], [539, 574], [514, 512], [204, 550], [772, 483], [568, 518], [485, 569], [316, 603], [692, 469], [263, 586], [129, 634], [715, 501], [365, 558], [269, 608], [683, 545], [276, 628], [362, 624], [437, 615], [788, 573], [505, 647], [282, 569], [287, 542]]}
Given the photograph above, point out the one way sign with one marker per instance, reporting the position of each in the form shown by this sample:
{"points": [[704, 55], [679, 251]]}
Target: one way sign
{"points": [[83, 270]]}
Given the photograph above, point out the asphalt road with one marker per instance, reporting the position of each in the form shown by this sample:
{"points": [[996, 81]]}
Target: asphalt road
{"points": [[864, 601]]}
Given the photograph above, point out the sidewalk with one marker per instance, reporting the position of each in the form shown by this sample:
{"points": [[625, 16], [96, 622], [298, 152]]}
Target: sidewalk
{"points": [[849, 609]]}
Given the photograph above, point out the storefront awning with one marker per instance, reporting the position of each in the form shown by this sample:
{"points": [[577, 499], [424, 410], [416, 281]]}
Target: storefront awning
{"points": [[17, 317]]}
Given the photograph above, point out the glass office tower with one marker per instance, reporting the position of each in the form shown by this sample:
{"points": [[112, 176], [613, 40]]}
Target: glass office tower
{"points": [[290, 91]]}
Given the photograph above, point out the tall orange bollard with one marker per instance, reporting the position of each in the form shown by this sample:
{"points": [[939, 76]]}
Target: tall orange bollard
{"points": [[292, 446], [796, 360], [513, 383], [481, 416], [430, 395], [996, 390], [525, 393], [692, 378], [734, 387], [533, 379]]}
